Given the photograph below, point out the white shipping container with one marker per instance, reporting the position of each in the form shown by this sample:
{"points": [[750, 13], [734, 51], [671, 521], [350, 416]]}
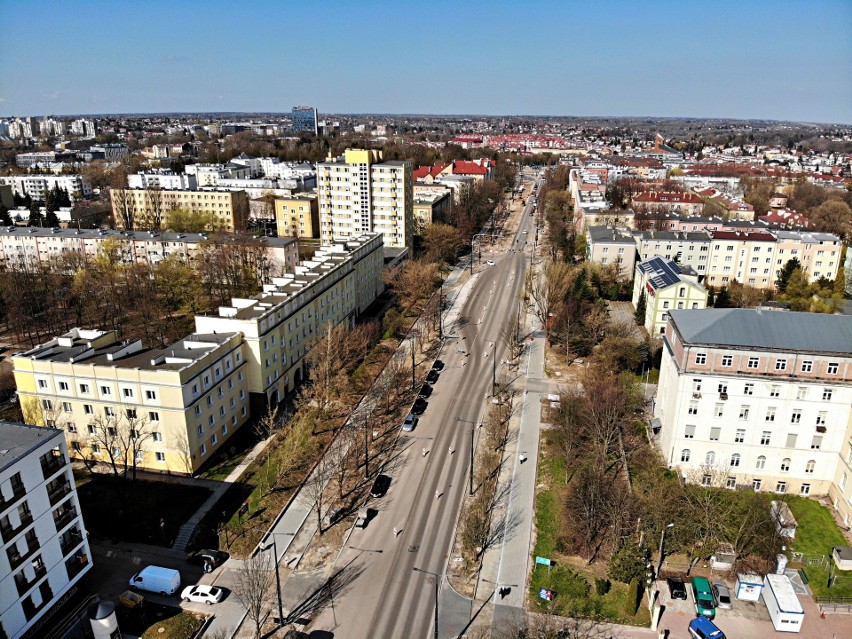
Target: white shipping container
{"points": [[748, 587], [782, 603]]}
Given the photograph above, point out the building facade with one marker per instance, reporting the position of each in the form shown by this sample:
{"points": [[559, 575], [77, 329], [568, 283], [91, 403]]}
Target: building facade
{"points": [[297, 216], [430, 208], [358, 193], [228, 209], [667, 287], [162, 179], [281, 324], [305, 119], [45, 543], [166, 409], [37, 186], [759, 400], [611, 246]]}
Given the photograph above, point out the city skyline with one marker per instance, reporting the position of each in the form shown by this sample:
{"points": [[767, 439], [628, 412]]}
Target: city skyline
{"points": [[706, 60]]}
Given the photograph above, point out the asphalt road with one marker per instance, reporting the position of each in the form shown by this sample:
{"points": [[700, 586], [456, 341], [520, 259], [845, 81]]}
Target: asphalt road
{"points": [[378, 593]]}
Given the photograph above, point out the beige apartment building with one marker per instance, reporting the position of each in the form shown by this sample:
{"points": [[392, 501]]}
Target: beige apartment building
{"points": [[281, 324], [430, 208], [358, 193], [819, 253], [297, 216], [229, 208], [170, 408], [21, 245]]}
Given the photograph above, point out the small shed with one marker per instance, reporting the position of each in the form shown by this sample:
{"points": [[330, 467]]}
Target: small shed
{"points": [[785, 523], [842, 556], [723, 558], [748, 587]]}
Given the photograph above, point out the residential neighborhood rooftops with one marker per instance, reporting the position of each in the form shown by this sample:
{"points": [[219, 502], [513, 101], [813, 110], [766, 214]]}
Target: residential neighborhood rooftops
{"points": [[611, 235], [753, 328]]}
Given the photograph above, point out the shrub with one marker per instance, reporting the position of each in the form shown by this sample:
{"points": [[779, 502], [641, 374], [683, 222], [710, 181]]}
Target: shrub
{"points": [[631, 604], [626, 563]]}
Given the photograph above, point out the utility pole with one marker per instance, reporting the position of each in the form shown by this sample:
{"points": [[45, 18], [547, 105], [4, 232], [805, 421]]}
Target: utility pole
{"points": [[366, 447], [494, 370], [441, 309], [470, 480], [437, 579], [413, 365]]}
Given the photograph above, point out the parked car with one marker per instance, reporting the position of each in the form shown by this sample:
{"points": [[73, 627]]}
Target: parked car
{"points": [[424, 391], [703, 595], [419, 407], [490, 262], [677, 588], [410, 423], [432, 377], [380, 486], [703, 628], [438, 365], [207, 558], [202, 594], [164, 581], [722, 595]]}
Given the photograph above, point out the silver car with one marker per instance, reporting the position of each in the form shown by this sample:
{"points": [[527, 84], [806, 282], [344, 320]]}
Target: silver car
{"points": [[722, 595]]}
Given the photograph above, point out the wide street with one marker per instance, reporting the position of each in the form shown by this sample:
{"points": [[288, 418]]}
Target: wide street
{"points": [[379, 594]]}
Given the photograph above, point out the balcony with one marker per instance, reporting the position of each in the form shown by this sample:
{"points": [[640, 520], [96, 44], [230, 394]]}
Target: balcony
{"points": [[76, 564], [51, 463], [23, 584], [64, 516], [18, 491], [69, 540], [7, 531], [16, 558], [57, 490], [30, 609]]}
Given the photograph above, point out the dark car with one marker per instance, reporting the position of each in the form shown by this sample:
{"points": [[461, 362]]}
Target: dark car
{"points": [[438, 365], [432, 377], [677, 588], [207, 558], [424, 391], [380, 486], [419, 407]]}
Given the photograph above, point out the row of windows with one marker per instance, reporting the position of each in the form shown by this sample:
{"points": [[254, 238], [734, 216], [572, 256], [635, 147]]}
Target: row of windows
{"points": [[806, 366], [769, 416], [757, 484], [105, 390], [748, 388], [765, 437], [736, 458]]}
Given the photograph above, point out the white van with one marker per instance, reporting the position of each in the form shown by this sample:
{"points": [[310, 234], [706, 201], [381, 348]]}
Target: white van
{"points": [[164, 581]]}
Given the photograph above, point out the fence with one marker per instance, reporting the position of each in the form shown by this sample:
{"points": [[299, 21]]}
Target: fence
{"points": [[839, 605], [809, 560]]}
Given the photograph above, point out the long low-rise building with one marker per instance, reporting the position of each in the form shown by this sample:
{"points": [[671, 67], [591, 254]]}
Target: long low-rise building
{"points": [[26, 245], [151, 208], [281, 324], [759, 400], [37, 186]]}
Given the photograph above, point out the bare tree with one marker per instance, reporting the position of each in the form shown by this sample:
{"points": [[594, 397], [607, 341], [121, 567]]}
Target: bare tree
{"points": [[179, 442], [155, 208], [253, 589], [314, 489], [549, 288]]}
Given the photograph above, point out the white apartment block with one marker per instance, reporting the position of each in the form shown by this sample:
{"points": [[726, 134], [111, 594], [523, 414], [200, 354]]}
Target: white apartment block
{"points": [[36, 186], [358, 193], [667, 287], [85, 128], [759, 400], [281, 324], [45, 544], [210, 174], [162, 179], [174, 405], [26, 245]]}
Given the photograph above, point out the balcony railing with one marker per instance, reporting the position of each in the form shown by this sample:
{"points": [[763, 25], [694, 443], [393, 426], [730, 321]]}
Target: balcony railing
{"points": [[69, 540], [7, 531], [75, 564], [56, 492], [16, 559], [30, 609], [65, 517], [51, 463], [18, 492], [23, 584]]}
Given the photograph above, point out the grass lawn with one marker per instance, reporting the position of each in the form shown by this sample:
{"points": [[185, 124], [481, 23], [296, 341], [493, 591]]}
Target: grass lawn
{"points": [[181, 626], [817, 534], [116, 509], [573, 584]]}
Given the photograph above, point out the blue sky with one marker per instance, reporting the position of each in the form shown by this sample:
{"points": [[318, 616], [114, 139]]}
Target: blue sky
{"points": [[745, 59]]}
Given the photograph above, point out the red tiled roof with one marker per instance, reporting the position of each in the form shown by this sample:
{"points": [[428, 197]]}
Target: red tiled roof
{"points": [[462, 167], [420, 172]]}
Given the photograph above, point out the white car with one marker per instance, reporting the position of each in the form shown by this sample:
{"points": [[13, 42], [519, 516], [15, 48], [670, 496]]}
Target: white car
{"points": [[490, 262], [202, 594]]}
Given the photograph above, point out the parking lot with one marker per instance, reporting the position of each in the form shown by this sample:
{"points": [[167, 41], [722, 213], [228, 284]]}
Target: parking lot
{"points": [[748, 619]]}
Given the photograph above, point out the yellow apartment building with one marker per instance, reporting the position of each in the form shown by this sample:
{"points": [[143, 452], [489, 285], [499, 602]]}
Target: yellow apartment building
{"points": [[170, 408], [297, 216], [229, 208]]}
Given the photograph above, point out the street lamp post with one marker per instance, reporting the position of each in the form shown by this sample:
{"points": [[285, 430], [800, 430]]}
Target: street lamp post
{"points": [[662, 541], [437, 585], [494, 370], [366, 446]]}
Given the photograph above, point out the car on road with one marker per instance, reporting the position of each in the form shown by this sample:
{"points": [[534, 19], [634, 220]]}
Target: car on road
{"points": [[490, 262], [207, 558], [438, 365], [525, 231], [202, 594], [419, 407], [703, 596], [703, 628], [722, 595], [424, 391], [677, 588], [380, 486], [410, 423], [432, 376]]}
